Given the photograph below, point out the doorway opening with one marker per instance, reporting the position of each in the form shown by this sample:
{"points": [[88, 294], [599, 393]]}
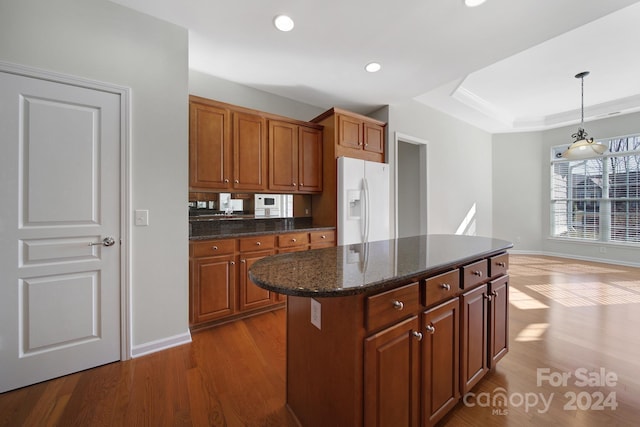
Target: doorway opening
{"points": [[411, 186]]}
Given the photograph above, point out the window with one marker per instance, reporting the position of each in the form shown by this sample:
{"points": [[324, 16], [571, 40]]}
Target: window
{"points": [[598, 199]]}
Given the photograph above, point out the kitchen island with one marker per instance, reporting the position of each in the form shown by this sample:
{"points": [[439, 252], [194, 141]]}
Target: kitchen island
{"points": [[389, 333]]}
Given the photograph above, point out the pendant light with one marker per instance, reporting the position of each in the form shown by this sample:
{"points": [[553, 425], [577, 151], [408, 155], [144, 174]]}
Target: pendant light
{"points": [[583, 147]]}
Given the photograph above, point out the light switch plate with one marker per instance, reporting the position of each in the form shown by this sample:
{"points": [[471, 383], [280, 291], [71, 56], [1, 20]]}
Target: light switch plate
{"points": [[316, 314], [142, 217]]}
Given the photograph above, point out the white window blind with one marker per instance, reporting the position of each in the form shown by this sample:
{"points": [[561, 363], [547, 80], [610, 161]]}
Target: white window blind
{"points": [[598, 199]]}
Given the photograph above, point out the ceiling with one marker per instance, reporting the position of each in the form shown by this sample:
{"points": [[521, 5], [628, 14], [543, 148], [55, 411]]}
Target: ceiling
{"points": [[503, 66]]}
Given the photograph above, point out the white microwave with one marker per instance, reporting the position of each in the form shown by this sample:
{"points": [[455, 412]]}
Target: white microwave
{"points": [[268, 205]]}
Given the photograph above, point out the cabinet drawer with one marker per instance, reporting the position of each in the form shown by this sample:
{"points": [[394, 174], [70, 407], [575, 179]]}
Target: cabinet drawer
{"points": [[442, 287], [257, 243], [473, 274], [498, 265], [391, 306], [213, 248], [293, 239], [328, 236]]}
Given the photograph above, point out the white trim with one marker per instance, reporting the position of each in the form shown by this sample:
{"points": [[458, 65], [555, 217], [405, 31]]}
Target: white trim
{"points": [[125, 181], [424, 198], [161, 344]]}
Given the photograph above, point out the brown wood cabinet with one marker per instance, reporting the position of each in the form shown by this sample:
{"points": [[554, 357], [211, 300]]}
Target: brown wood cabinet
{"points": [[238, 149], [209, 146], [350, 135], [213, 280], [498, 320], [440, 360], [474, 342], [220, 287], [392, 376], [407, 355], [295, 158], [249, 152]]}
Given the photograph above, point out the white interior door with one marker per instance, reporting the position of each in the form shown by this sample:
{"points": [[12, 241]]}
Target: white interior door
{"points": [[59, 193]]}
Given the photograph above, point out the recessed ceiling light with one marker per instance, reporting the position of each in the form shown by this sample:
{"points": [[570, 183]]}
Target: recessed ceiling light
{"points": [[373, 67], [283, 23], [473, 3]]}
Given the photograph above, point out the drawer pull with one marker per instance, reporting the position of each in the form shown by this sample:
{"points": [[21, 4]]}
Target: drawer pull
{"points": [[233, 263], [258, 243], [477, 273], [417, 335], [501, 264], [293, 240], [323, 237], [215, 248], [398, 305], [446, 286], [431, 329]]}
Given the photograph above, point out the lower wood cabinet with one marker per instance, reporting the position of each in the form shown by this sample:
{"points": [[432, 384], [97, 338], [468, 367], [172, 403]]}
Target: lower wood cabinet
{"points": [[252, 296], [498, 320], [392, 376], [213, 290], [440, 360], [474, 343], [399, 357], [219, 285]]}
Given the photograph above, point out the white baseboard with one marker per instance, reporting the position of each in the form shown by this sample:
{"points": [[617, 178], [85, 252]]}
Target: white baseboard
{"points": [[161, 344], [577, 257]]}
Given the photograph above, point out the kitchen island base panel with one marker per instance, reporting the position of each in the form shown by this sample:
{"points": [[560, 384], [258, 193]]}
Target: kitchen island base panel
{"points": [[324, 366]]}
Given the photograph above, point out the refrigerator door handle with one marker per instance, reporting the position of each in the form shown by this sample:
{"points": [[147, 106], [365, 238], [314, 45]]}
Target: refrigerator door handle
{"points": [[367, 210]]}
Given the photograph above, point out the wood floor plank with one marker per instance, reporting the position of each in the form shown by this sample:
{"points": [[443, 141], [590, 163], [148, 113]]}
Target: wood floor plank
{"points": [[564, 315]]}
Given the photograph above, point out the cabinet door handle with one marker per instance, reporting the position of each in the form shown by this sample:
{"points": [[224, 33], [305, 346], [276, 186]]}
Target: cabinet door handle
{"points": [[398, 305], [226, 180], [301, 185], [477, 273], [237, 181], [446, 286], [487, 297], [293, 184], [494, 293], [243, 261], [417, 335], [501, 264], [431, 329], [232, 263]]}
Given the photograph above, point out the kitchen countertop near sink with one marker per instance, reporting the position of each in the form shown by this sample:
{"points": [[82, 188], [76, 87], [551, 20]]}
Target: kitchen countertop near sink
{"points": [[231, 227]]}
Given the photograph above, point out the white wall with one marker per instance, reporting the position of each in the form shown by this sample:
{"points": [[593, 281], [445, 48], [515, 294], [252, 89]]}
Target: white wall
{"points": [[206, 86], [99, 40], [518, 170], [459, 163], [521, 191]]}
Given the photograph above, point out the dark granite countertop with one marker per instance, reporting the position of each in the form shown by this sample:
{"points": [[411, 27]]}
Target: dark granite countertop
{"points": [[373, 266], [224, 228]]}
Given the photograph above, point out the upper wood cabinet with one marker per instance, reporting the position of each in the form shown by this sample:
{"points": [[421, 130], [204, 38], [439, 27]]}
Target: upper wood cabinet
{"points": [[233, 148], [249, 152], [209, 146], [295, 157], [354, 135]]}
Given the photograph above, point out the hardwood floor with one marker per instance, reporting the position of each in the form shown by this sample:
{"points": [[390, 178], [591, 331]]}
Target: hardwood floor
{"points": [[565, 316]]}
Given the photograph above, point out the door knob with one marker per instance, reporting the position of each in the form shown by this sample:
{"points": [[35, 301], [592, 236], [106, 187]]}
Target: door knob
{"points": [[107, 241]]}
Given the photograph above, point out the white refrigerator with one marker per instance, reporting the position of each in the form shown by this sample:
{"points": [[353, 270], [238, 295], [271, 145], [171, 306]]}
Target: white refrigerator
{"points": [[363, 201]]}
